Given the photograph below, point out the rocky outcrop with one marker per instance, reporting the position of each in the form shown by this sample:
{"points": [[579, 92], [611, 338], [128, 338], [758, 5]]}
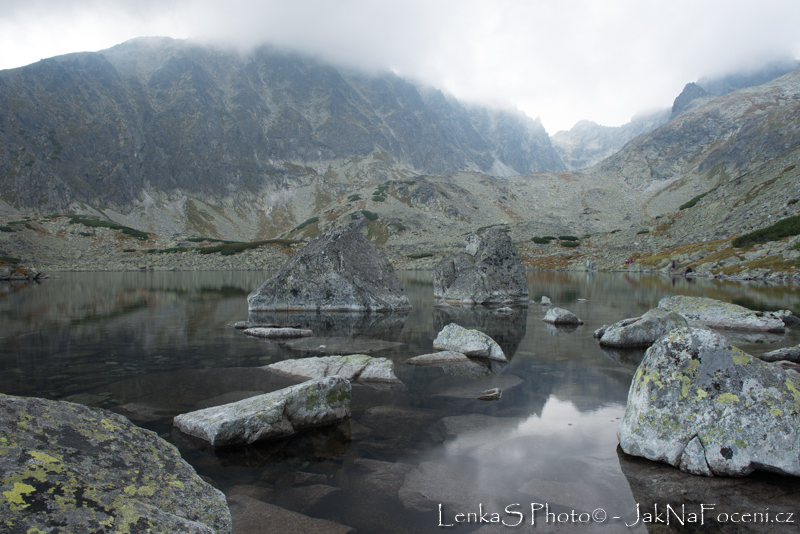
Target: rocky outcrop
{"points": [[468, 342], [641, 331], [691, 97], [560, 316], [702, 405], [355, 368], [338, 271], [272, 415], [490, 271], [723, 315], [68, 468]]}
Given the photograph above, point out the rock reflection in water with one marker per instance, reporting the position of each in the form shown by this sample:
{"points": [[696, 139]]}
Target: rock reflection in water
{"points": [[386, 326], [624, 356]]}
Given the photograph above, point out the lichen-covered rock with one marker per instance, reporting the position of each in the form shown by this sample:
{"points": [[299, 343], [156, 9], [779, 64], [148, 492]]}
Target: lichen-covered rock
{"points": [[790, 354], [702, 405], [68, 468], [277, 333], [641, 331], [355, 367], [337, 271], [272, 415], [469, 342], [490, 271], [560, 316], [723, 315]]}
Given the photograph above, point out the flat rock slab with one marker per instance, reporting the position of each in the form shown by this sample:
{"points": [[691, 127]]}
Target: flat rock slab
{"points": [[341, 345], [341, 270], [355, 367], [270, 416], [277, 333], [468, 342], [560, 316], [790, 354], [251, 516], [68, 468], [439, 358], [641, 331], [700, 404], [722, 315]]}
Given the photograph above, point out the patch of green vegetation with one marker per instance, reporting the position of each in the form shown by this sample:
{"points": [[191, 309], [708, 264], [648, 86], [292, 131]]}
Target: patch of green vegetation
{"points": [[540, 240], [353, 198], [85, 234], [418, 256], [787, 227], [302, 225], [354, 216], [152, 250], [640, 232], [9, 259], [695, 200], [6, 229], [570, 244], [378, 198], [792, 201], [96, 223], [228, 248], [615, 231], [568, 238], [550, 237], [129, 250], [201, 239], [12, 223], [173, 250], [400, 226], [370, 215]]}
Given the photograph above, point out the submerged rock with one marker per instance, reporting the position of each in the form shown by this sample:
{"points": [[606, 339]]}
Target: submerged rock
{"points": [[490, 271], [560, 316], [641, 331], [439, 358], [68, 468], [337, 271], [723, 315], [546, 301], [702, 405], [277, 333], [272, 415], [252, 516], [468, 342], [355, 367]]}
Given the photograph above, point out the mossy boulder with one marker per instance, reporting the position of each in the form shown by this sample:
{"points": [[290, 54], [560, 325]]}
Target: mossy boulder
{"points": [[641, 331], [270, 416], [702, 405], [338, 271], [724, 315], [68, 468]]}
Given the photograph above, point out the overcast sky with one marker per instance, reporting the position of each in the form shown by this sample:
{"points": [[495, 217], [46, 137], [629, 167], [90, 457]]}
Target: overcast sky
{"points": [[561, 60]]}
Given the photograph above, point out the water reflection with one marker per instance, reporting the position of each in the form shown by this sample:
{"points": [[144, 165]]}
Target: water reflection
{"points": [[152, 345]]}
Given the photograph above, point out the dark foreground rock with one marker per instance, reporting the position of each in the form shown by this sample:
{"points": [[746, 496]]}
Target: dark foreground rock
{"points": [[723, 315], [272, 415], [700, 404], [641, 331], [490, 271], [790, 354], [68, 468], [338, 271]]}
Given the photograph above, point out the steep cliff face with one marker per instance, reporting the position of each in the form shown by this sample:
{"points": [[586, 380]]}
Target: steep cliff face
{"points": [[160, 118]]}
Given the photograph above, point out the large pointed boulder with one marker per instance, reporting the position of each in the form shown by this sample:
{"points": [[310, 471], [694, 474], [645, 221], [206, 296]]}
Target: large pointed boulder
{"points": [[489, 271], [338, 271]]}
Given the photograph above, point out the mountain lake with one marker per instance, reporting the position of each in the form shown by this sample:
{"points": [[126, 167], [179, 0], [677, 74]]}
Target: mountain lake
{"points": [[412, 457]]}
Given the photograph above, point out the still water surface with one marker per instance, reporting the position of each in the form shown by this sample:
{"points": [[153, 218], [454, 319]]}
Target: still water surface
{"points": [[153, 345]]}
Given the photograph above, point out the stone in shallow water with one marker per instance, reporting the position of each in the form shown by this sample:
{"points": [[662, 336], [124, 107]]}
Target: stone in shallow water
{"points": [[68, 468], [270, 416], [723, 315], [693, 389], [277, 333], [560, 316], [251, 516], [791, 354], [469, 342], [355, 367], [641, 331], [439, 358], [337, 271]]}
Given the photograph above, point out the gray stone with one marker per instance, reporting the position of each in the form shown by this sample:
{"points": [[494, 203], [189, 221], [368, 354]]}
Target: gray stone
{"points": [[546, 301], [641, 331], [490, 271], [337, 271], [469, 342], [272, 415], [723, 315], [439, 358], [560, 316], [490, 394], [355, 367], [277, 333], [791, 354], [693, 385], [68, 468]]}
